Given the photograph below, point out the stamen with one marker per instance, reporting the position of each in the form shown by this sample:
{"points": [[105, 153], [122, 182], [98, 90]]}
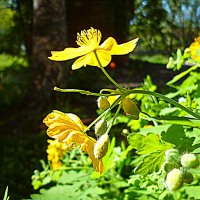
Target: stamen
{"points": [[90, 37]]}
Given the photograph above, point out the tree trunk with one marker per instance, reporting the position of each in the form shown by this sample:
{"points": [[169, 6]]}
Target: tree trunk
{"points": [[49, 33]]}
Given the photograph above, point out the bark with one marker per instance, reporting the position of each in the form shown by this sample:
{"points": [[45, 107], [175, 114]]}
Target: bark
{"points": [[49, 33]]}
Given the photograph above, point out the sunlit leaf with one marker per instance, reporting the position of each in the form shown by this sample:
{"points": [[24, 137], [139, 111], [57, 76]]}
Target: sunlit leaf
{"points": [[151, 148]]}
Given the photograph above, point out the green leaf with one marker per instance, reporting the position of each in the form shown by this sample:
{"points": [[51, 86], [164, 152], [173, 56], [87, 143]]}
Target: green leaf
{"points": [[154, 129], [193, 192], [167, 111], [72, 185], [177, 136], [6, 197], [181, 75], [151, 148], [151, 163]]}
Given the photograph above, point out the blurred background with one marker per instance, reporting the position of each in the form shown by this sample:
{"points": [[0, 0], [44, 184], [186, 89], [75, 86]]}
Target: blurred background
{"points": [[30, 30]]}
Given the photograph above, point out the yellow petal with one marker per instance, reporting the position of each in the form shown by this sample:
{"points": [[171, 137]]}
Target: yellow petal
{"points": [[76, 120], [69, 53], [97, 164], [104, 58], [114, 49], [80, 62]]}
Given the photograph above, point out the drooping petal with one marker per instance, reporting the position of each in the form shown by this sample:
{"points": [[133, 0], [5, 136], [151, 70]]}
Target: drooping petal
{"points": [[57, 118], [97, 164], [114, 49], [69, 53], [87, 143], [76, 120]]}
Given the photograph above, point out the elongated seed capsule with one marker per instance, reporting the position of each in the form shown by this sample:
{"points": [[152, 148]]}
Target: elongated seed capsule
{"points": [[130, 108], [103, 103], [101, 147], [100, 128]]}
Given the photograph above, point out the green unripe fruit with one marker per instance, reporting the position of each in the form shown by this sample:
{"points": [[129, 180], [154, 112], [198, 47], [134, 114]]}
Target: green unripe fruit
{"points": [[103, 103], [130, 108], [100, 128], [189, 160], [174, 179], [187, 177], [101, 147]]}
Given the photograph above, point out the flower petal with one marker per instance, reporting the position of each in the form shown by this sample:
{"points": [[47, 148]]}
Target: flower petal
{"points": [[104, 58], [114, 49], [69, 53], [97, 164], [76, 120], [80, 62]]}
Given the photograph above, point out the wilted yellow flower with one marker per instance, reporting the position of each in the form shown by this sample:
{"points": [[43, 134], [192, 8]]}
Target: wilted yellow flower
{"points": [[89, 41], [62, 124], [56, 152], [68, 129], [195, 49]]}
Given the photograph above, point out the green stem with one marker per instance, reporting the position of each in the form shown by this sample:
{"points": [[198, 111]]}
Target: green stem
{"points": [[166, 99], [106, 74], [113, 120], [82, 92], [102, 114]]}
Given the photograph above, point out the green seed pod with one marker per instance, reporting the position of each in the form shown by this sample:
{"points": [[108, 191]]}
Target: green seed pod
{"points": [[174, 179], [100, 128], [101, 147], [187, 177], [189, 160], [103, 103], [130, 108]]}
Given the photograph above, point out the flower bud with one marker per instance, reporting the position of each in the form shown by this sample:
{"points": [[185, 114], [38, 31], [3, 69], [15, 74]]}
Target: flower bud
{"points": [[130, 108], [167, 166], [103, 103], [189, 160], [100, 128], [101, 147], [174, 179], [172, 156], [187, 177]]}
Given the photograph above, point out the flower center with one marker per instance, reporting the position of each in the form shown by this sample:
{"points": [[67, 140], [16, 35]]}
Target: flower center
{"points": [[90, 37]]}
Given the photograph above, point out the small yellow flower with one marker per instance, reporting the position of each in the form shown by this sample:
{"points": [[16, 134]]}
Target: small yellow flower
{"points": [[68, 129], [195, 49], [89, 41], [56, 152]]}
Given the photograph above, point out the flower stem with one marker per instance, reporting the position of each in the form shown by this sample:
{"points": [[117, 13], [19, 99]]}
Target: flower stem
{"points": [[82, 92], [106, 74], [103, 114], [113, 120], [187, 110]]}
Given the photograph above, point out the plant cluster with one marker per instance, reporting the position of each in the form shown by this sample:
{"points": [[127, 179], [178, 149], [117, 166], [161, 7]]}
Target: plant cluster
{"points": [[161, 159]]}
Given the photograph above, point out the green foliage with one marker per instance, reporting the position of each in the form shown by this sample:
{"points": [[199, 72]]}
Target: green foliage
{"points": [[6, 197], [14, 77], [71, 185], [152, 149], [165, 25], [76, 179]]}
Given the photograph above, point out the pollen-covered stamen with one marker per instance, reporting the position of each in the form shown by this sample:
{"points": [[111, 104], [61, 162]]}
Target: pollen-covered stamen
{"points": [[91, 37]]}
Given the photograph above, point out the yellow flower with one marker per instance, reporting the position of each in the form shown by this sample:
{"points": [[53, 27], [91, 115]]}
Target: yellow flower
{"points": [[195, 49], [55, 153], [89, 41], [68, 129]]}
